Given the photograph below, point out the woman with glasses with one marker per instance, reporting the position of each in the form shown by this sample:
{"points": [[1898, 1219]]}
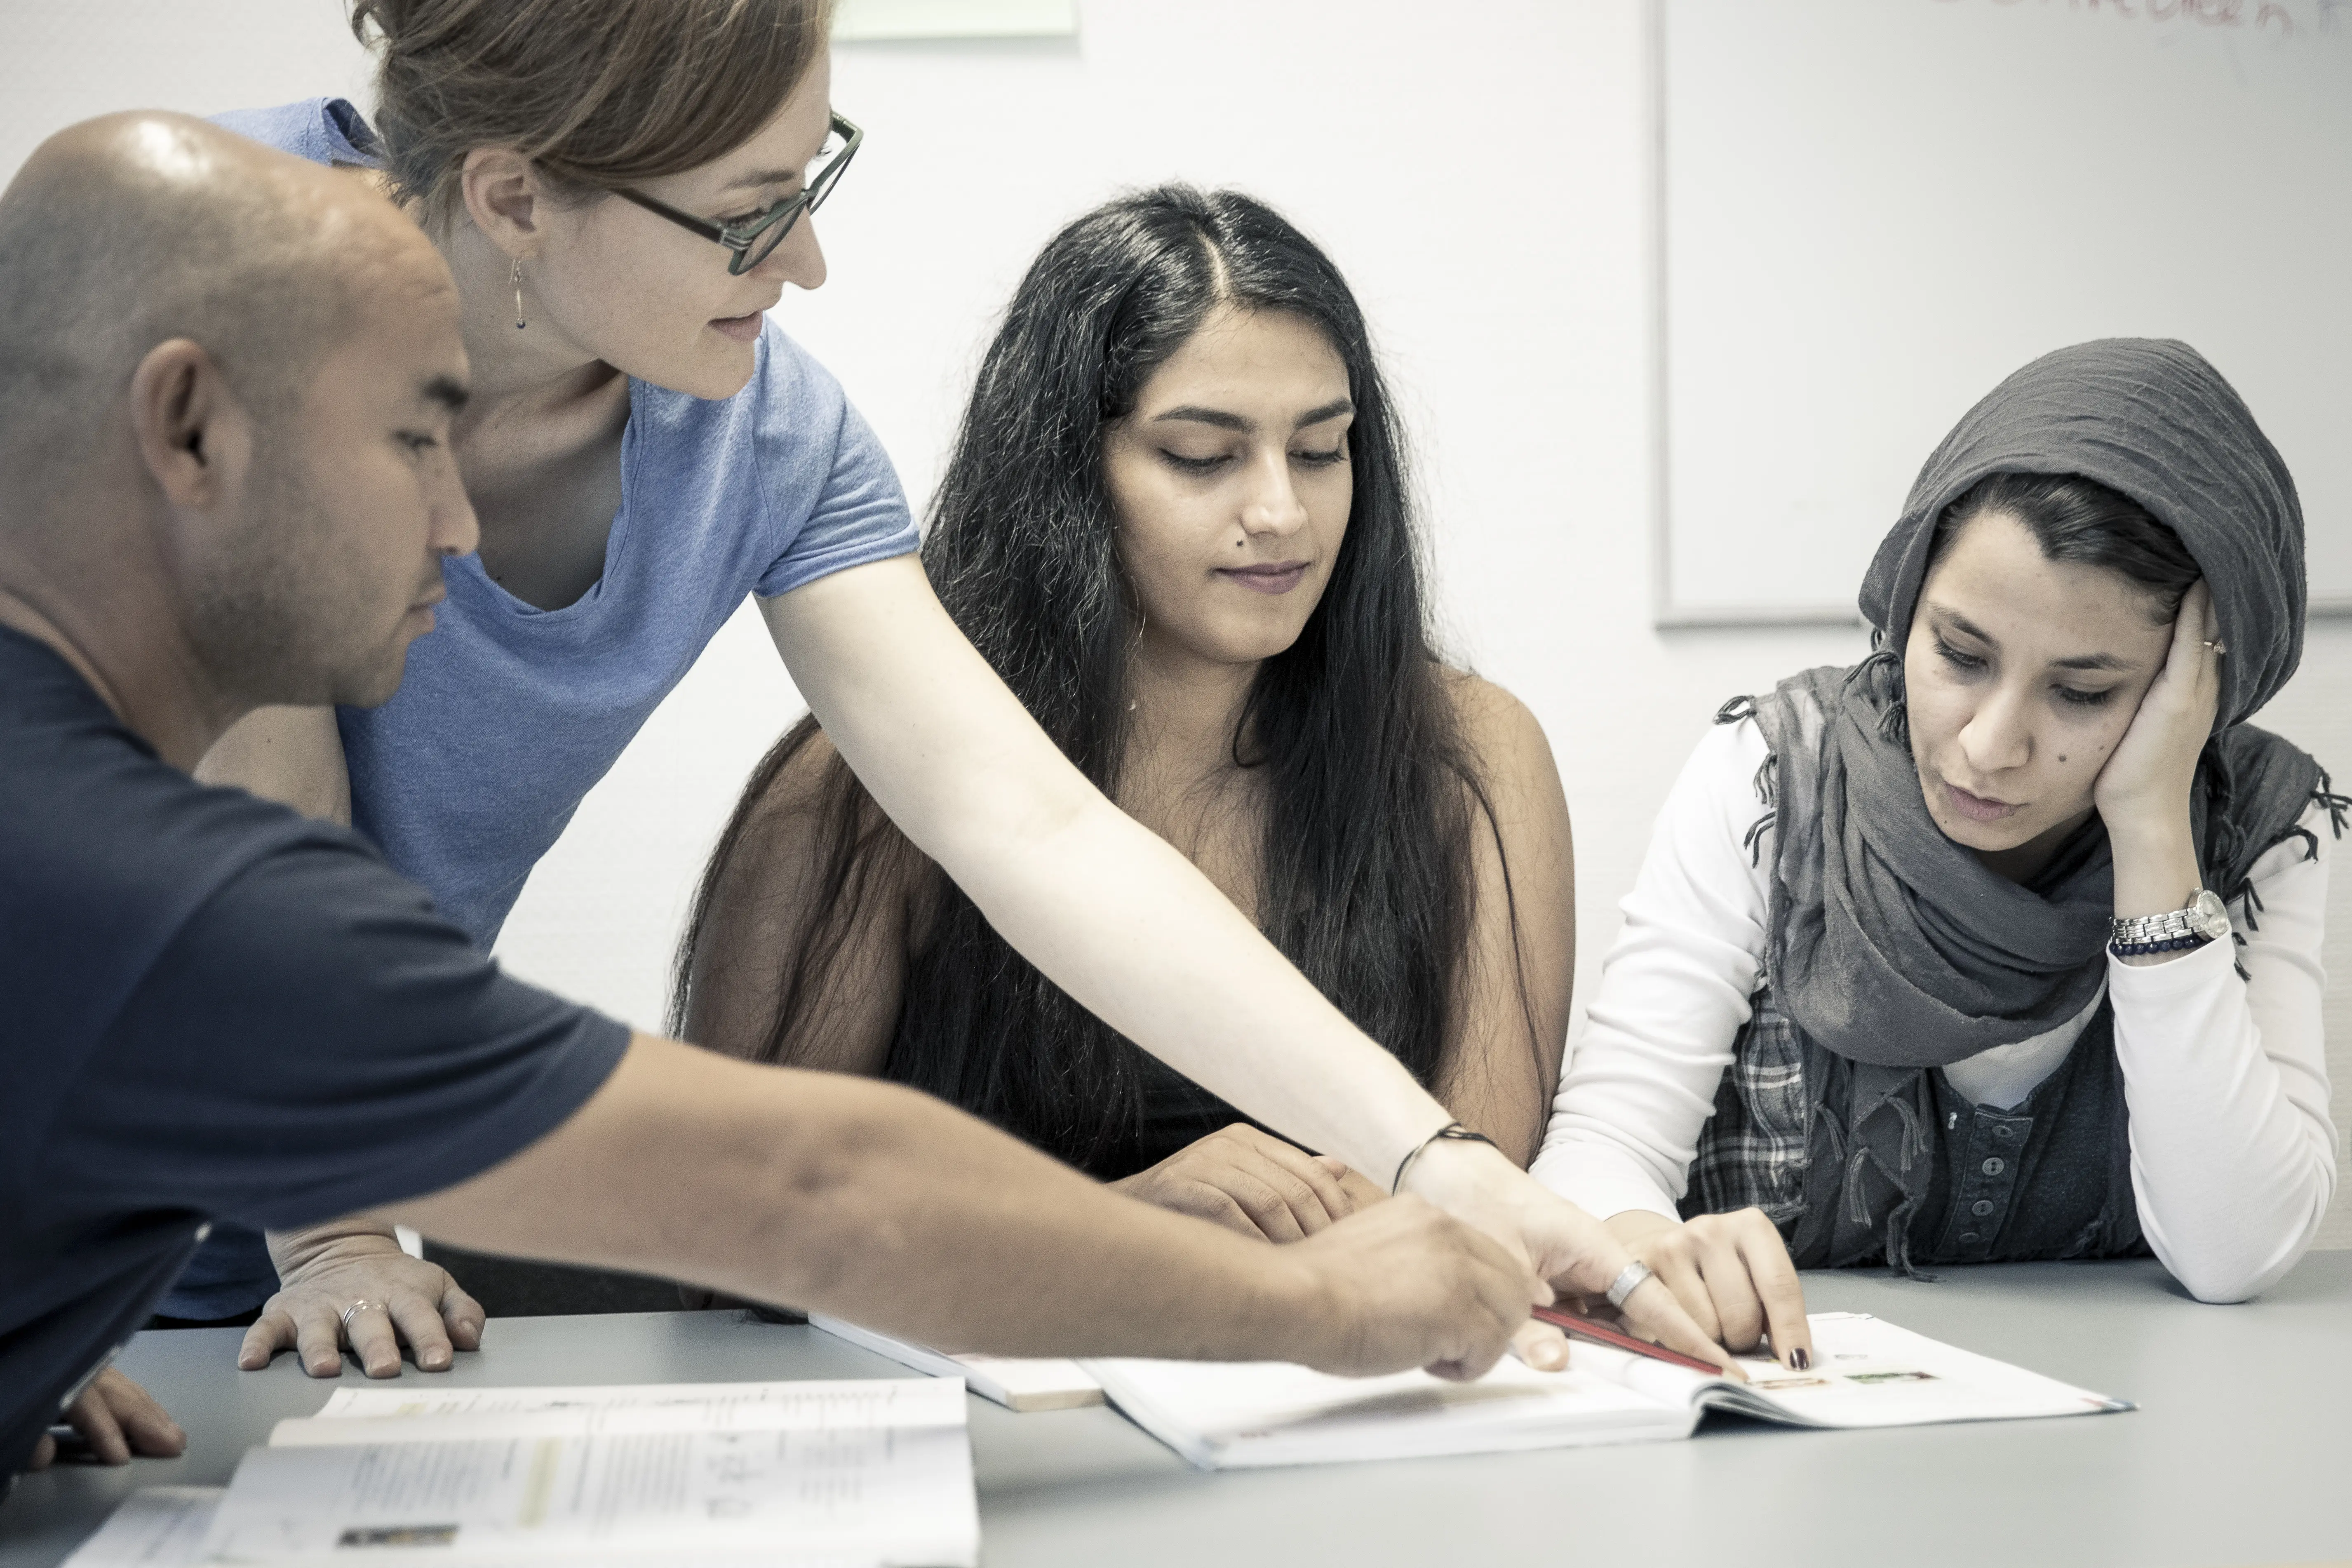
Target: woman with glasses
{"points": [[644, 450]]}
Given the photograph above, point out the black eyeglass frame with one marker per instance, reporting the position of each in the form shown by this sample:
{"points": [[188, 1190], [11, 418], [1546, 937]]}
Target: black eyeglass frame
{"points": [[746, 238]]}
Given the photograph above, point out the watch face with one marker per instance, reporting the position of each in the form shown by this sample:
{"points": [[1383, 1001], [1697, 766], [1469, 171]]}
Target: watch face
{"points": [[2210, 915]]}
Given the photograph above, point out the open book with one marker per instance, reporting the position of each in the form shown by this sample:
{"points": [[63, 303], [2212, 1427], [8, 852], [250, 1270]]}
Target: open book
{"points": [[1016, 1383], [1868, 1373], [874, 1473]]}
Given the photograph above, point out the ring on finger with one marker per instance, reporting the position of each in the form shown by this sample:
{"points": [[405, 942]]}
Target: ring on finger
{"points": [[361, 1305], [1628, 1279], [2216, 643]]}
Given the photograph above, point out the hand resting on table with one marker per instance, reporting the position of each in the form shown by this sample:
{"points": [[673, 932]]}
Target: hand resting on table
{"points": [[326, 1268]]}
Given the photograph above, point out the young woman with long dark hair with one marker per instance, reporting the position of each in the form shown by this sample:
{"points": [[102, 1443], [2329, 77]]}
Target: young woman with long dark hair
{"points": [[1177, 523], [2003, 943], [623, 189]]}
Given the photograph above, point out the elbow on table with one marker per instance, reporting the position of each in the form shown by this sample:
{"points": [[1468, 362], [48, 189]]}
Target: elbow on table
{"points": [[2224, 1281], [2220, 1288]]}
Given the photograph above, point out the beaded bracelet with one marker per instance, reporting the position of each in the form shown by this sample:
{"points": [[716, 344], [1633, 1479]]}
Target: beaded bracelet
{"points": [[1452, 1132], [2170, 944]]}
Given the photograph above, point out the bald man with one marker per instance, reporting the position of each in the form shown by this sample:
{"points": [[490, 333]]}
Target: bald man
{"points": [[227, 380]]}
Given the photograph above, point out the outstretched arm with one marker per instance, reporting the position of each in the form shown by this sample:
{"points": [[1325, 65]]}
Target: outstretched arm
{"points": [[1128, 927], [890, 1208], [1107, 910]]}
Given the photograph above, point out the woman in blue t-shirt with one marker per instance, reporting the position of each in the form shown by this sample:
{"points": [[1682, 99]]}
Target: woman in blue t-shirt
{"points": [[621, 190]]}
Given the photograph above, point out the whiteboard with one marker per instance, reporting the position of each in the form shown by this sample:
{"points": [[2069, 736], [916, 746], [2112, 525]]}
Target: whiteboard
{"points": [[1871, 211]]}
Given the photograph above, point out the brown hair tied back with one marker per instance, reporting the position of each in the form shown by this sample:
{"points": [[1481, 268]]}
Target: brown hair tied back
{"points": [[598, 93]]}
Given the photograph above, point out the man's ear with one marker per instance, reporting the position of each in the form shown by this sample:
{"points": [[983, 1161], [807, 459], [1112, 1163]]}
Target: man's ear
{"points": [[194, 434], [505, 199]]}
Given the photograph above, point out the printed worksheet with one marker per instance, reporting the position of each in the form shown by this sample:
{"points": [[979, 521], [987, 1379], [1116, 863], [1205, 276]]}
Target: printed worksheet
{"points": [[1866, 1372], [873, 1471], [159, 1527]]}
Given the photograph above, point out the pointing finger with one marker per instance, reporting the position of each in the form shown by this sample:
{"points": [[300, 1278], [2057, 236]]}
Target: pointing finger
{"points": [[1652, 1309]]}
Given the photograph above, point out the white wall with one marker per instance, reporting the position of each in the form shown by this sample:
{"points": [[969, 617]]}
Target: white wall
{"points": [[1479, 171]]}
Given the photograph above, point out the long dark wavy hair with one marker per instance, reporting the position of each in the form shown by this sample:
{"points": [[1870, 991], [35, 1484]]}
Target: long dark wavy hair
{"points": [[1371, 796]]}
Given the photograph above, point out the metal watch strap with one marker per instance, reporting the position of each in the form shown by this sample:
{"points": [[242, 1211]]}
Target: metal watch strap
{"points": [[2203, 919]]}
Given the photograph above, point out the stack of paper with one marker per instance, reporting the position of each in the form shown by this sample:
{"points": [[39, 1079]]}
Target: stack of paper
{"points": [[1016, 1383], [872, 1473], [1866, 1374]]}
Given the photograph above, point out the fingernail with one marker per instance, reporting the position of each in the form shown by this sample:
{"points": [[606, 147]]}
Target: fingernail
{"points": [[1800, 1358], [1550, 1358]]}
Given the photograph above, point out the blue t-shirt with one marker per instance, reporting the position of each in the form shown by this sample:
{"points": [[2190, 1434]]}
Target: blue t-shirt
{"points": [[509, 714], [218, 1009]]}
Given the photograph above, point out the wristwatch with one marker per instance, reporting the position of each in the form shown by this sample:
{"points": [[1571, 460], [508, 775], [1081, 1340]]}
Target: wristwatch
{"points": [[2206, 919]]}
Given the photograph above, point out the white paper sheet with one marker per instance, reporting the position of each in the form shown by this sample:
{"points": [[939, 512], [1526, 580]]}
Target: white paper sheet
{"points": [[160, 1527], [719, 1398], [874, 1471], [1017, 1383], [1231, 1415]]}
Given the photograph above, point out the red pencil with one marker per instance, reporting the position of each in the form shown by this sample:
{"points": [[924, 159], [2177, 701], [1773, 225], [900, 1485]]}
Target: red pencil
{"points": [[1585, 1328]]}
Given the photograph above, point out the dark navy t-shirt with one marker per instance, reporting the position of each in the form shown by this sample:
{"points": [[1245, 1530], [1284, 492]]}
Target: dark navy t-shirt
{"points": [[211, 1007]]}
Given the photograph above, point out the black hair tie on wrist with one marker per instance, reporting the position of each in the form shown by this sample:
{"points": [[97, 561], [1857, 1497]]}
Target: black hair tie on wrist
{"points": [[1453, 1131]]}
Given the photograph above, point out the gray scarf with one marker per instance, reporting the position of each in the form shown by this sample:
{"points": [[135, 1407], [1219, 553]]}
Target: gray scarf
{"points": [[1888, 945]]}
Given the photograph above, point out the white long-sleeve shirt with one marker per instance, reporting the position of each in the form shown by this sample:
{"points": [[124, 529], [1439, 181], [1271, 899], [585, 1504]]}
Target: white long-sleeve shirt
{"points": [[2232, 1153]]}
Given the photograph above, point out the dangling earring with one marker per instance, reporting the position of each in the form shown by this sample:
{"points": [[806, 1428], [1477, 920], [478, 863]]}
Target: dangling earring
{"points": [[516, 280]]}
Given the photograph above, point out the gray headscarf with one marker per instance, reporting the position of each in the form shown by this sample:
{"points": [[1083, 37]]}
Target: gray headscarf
{"points": [[1892, 949], [1889, 944]]}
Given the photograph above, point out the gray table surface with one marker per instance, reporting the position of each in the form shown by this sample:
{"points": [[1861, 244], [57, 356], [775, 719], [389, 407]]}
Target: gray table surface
{"points": [[2241, 1451]]}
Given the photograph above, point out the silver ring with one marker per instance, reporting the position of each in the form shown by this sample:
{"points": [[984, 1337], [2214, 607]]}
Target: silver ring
{"points": [[1628, 1279], [361, 1305], [2216, 645]]}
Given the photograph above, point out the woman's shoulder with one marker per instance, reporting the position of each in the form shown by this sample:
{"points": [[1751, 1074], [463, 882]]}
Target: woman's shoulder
{"points": [[1719, 810], [803, 808], [787, 452], [1505, 738], [1509, 756], [323, 129], [801, 782]]}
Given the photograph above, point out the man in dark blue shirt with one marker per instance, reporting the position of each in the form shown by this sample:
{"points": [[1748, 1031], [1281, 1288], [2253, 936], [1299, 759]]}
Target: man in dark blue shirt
{"points": [[227, 380]]}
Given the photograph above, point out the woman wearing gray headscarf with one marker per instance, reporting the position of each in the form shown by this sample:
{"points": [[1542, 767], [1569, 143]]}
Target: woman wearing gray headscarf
{"points": [[2003, 943]]}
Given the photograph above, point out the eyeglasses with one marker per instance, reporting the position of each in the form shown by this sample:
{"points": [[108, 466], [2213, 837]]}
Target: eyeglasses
{"points": [[754, 238]]}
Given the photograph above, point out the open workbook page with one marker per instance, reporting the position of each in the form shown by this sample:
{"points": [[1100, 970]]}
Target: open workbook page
{"points": [[1868, 1374], [1235, 1415]]}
